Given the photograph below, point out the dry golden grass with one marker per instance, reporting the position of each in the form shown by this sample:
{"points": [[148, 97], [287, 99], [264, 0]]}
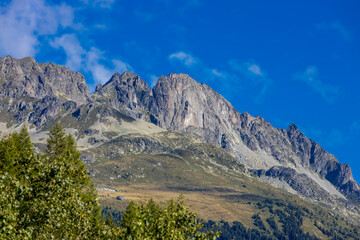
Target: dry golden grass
{"points": [[209, 205]]}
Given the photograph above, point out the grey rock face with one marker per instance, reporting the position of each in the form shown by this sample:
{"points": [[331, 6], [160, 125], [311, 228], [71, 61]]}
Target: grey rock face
{"points": [[178, 102], [125, 92], [34, 92], [300, 183], [25, 77]]}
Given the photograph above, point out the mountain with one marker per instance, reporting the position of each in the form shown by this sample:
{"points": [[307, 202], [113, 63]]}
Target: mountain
{"points": [[180, 136], [34, 92], [178, 102]]}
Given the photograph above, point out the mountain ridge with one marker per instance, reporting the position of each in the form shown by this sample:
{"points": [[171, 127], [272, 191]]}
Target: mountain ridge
{"points": [[32, 93], [174, 114]]}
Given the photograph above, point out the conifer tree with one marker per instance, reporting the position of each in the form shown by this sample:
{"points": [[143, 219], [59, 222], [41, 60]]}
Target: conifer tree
{"points": [[46, 196], [50, 196], [16, 152], [56, 143], [62, 150]]}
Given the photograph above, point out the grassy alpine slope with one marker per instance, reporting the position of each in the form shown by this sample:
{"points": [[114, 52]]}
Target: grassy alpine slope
{"points": [[163, 165]]}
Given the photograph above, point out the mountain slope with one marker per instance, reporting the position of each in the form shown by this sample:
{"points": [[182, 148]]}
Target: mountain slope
{"points": [[177, 102], [117, 122]]}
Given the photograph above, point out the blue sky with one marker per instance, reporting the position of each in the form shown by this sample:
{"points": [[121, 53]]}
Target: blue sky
{"points": [[287, 61]]}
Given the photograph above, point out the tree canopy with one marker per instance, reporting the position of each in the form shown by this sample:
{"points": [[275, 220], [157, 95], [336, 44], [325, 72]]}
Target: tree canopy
{"points": [[50, 196]]}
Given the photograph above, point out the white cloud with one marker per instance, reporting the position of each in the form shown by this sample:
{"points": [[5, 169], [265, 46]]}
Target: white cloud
{"points": [[183, 58], [120, 66], [218, 73], [92, 60], [253, 72], [26, 24], [248, 68], [311, 78], [100, 73], [72, 47], [337, 26], [22, 22], [255, 69]]}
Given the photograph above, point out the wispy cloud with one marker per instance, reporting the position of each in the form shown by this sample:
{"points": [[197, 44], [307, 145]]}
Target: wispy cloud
{"points": [[72, 47], [338, 27], [231, 78], [311, 77], [226, 82], [219, 74], [255, 69], [90, 60], [23, 22], [183, 58], [253, 72], [26, 26]]}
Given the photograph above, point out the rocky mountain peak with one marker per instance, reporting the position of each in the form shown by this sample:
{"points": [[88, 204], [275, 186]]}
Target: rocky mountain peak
{"points": [[126, 80], [26, 77], [98, 87], [176, 102], [176, 80], [292, 128], [179, 102], [125, 91]]}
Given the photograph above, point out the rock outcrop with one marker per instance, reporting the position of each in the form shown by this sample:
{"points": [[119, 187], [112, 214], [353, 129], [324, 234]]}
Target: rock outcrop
{"points": [[38, 93], [27, 78], [34, 92], [178, 102], [125, 92]]}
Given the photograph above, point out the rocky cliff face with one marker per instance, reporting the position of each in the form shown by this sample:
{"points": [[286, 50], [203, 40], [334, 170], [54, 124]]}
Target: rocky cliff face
{"points": [[25, 77], [34, 92], [126, 92], [178, 102], [39, 93]]}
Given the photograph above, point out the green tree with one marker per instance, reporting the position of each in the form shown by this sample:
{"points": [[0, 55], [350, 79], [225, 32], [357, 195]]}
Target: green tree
{"points": [[16, 152], [173, 220], [50, 196], [46, 196], [62, 146], [56, 144]]}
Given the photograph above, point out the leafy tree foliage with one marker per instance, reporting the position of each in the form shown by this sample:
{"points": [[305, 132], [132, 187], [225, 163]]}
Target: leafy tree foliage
{"points": [[149, 220], [50, 196], [45, 196]]}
